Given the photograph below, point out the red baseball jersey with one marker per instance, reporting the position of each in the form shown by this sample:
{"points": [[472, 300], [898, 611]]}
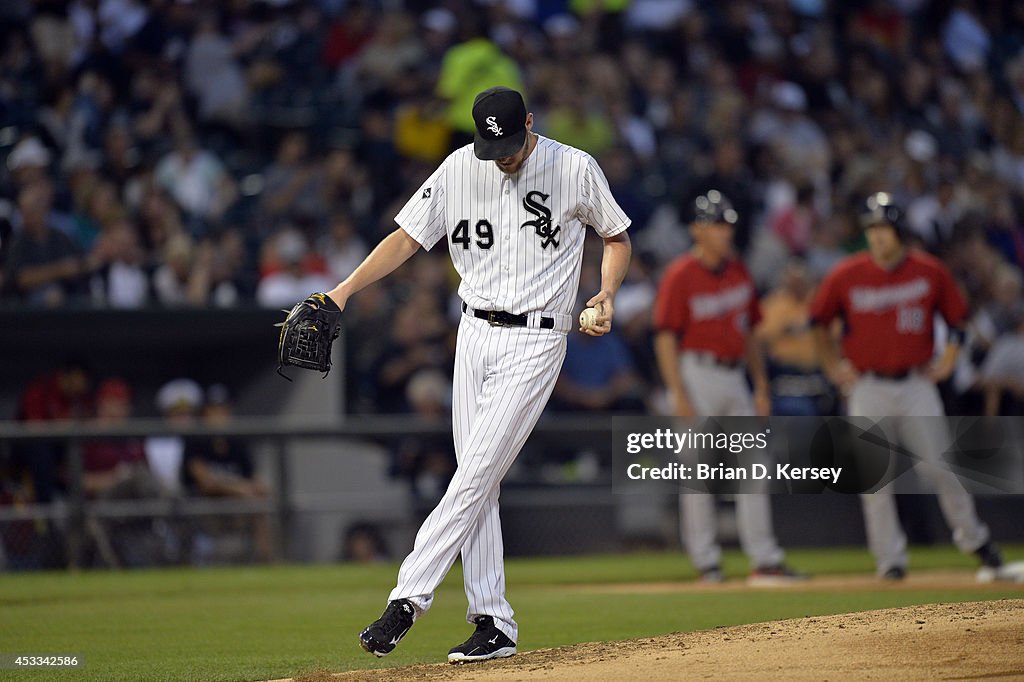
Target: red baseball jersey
{"points": [[888, 314], [709, 310]]}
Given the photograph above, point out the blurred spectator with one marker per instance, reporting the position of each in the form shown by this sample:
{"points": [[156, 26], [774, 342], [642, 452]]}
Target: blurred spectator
{"points": [[223, 467], [25, 545], [729, 174], [1006, 232], [196, 179], [797, 141], [572, 119], [348, 34], [157, 107], [1002, 375], [159, 220], [626, 183], [798, 386], [43, 263], [290, 187], [179, 401], [439, 30], [796, 224], [363, 543], [295, 280], [598, 375], [391, 52], [91, 111], [933, 217], [342, 247], [633, 306], [346, 184], [828, 242], [232, 279], [421, 131], [121, 156], [53, 38], [117, 470], [123, 281], [416, 342], [363, 349], [965, 37], [28, 161], [376, 153], [65, 393], [96, 204], [427, 462], [214, 76], [470, 67], [118, 21], [184, 277], [1004, 307]]}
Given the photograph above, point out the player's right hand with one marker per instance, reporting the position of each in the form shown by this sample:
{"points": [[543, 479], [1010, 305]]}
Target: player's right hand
{"points": [[603, 303], [844, 375], [681, 406]]}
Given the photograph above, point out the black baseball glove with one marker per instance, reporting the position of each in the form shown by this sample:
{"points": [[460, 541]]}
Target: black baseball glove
{"points": [[307, 334]]}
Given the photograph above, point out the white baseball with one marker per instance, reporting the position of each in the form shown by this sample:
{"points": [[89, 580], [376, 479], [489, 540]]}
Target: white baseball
{"points": [[588, 318]]}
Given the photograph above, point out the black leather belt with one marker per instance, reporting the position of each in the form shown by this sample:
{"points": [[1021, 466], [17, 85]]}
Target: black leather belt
{"points": [[499, 318]]}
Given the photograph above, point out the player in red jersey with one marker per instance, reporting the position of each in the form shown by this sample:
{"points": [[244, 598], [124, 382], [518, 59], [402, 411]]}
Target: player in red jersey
{"points": [[703, 317], [887, 299]]}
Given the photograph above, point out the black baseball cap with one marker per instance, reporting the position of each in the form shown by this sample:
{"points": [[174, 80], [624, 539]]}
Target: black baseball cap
{"points": [[500, 117]]}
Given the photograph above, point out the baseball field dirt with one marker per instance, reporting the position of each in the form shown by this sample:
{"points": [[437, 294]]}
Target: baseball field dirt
{"points": [[973, 640]]}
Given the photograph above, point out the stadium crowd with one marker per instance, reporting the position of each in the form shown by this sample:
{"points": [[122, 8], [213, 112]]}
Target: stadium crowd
{"points": [[179, 153], [176, 153]]}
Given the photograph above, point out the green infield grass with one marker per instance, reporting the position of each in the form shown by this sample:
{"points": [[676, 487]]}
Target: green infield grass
{"points": [[280, 621]]}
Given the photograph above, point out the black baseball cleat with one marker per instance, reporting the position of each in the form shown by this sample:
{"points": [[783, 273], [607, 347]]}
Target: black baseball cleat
{"points": [[990, 555], [381, 636], [712, 575], [992, 566], [774, 576], [486, 643], [894, 574]]}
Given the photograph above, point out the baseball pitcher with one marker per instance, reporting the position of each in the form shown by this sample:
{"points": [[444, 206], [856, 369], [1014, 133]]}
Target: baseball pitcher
{"points": [[513, 206]]}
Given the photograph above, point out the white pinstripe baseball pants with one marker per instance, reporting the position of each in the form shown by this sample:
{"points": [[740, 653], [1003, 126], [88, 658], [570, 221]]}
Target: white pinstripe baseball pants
{"points": [[503, 379]]}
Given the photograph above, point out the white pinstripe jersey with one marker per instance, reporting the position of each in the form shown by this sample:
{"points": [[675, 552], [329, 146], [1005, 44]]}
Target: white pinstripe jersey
{"points": [[516, 240]]}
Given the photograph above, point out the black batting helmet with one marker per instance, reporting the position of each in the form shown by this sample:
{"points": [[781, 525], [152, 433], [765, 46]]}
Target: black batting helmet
{"points": [[881, 209], [713, 207]]}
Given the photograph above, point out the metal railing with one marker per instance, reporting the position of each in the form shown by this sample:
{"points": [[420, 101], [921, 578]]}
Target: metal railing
{"points": [[76, 514]]}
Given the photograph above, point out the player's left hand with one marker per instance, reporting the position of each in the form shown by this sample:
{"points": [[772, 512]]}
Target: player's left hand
{"points": [[606, 310], [941, 369]]}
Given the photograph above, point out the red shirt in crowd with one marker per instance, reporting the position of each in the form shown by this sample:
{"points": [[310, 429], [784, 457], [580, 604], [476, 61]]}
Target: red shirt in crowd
{"points": [[709, 310], [43, 400], [888, 314], [101, 456]]}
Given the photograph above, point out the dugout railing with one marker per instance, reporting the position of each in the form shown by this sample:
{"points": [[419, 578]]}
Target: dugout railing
{"points": [[81, 519]]}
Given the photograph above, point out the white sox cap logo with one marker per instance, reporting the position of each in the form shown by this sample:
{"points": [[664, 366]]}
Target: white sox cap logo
{"points": [[492, 125]]}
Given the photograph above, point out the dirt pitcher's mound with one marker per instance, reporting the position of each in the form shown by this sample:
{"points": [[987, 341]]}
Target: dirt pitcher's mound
{"points": [[930, 642]]}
